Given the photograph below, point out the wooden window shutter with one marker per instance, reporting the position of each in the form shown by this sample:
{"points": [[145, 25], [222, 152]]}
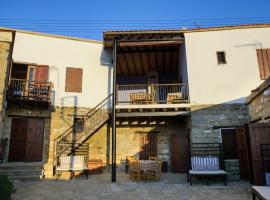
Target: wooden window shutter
{"points": [[42, 73], [263, 56], [73, 79]]}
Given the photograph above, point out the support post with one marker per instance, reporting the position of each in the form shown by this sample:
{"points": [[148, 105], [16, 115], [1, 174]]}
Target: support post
{"points": [[113, 112]]}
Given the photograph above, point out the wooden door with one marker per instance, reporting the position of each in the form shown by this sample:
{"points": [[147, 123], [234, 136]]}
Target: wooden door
{"points": [[259, 133], [242, 151], [41, 74], [34, 140], [148, 145], [18, 140], [26, 140], [179, 152], [229, 143]]}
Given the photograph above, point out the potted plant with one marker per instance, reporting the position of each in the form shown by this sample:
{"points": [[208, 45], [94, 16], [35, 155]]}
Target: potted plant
{"points": [[6, 187]]}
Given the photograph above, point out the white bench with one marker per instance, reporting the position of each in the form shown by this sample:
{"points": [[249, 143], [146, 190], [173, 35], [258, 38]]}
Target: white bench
{"points": [[206, 167], [72, 164], [261, 192]]}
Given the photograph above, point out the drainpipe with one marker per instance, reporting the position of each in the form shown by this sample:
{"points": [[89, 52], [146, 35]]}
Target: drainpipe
{"points": [[115, 43]]}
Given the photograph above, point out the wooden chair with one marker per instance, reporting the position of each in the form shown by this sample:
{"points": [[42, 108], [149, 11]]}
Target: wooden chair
{"points": [[135, 172], [155, 174], [152, 157], [128, 162]]}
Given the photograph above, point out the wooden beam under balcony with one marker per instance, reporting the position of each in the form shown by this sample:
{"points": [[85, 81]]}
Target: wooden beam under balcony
{"points": [[152, 114], [149, 43]]}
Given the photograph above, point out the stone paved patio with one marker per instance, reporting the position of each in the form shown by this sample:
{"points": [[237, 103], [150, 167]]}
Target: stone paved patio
{"points": [[99, 187]]}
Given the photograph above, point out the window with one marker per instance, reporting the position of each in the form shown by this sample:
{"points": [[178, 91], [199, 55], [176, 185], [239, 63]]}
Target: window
{"points": [[263, 56], [31, 73], [79, 125], [221, 57], [73, 79]]}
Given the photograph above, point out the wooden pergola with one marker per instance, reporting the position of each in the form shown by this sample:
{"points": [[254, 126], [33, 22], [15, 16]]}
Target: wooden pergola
{"points": [[137, 52]]}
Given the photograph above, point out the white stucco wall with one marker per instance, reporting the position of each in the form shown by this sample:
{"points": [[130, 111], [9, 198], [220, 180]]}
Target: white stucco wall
{"points": [[60, 53], [232, 82]]}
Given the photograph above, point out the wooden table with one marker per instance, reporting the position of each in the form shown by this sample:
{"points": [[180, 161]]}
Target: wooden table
{"points": [[147, 165]]}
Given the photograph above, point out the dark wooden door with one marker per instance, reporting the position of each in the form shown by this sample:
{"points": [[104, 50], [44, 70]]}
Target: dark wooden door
{"points": [[242, 151], [229, 143], [259, 133], [26, 140], [148, 145], [18, 140], [179, 152], [34, 140]]}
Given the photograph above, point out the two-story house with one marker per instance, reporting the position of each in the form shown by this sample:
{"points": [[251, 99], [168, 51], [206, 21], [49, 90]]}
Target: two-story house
{"points": [[172, 87]]}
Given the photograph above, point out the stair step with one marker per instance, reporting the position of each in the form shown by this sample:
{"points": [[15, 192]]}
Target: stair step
{"points": [[29, 177], [22, 171]]}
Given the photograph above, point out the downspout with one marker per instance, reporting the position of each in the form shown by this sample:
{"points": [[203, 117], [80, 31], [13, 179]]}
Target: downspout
{"points": [[115, 45]]}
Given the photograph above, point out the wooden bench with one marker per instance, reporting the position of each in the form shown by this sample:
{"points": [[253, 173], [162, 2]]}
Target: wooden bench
{"points": [[95, 166], [72, 164], [174, 97], [206, 167], [140, 97]]}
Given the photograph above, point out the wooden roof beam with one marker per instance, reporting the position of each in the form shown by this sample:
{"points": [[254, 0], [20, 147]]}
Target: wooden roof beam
{"points": [[148, 43]]}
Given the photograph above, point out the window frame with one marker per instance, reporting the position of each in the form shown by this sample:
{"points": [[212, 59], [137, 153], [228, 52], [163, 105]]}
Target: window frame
{"points": [[224, 60]]}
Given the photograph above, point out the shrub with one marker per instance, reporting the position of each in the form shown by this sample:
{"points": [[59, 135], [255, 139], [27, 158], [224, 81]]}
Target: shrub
{"points": [[6, 187]]}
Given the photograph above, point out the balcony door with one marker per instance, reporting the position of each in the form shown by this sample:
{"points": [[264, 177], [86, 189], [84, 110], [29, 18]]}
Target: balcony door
{"points": [[28, 72], [26, 140]]}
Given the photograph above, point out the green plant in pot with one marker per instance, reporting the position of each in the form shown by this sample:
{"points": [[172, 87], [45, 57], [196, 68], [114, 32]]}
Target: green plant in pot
{"points": [[6, 187]]}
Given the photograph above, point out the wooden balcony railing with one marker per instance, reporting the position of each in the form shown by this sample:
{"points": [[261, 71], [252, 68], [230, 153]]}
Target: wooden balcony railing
{"points": [[152, 94], [32, 91]]}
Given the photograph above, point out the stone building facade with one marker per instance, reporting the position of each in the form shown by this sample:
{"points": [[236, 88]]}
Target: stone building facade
{"points": [[258, 103], [6, 38], [204, 119], [57, 120]]}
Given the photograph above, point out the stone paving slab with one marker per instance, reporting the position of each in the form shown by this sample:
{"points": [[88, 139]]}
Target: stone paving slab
{"points": [[172, 186]]}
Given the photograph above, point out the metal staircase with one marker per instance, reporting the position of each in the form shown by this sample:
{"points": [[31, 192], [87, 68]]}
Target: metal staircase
{"points": [[69, 142]]}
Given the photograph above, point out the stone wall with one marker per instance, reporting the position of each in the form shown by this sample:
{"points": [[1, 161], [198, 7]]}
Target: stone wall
{"points": [[205, 117], [259, 108], [5, 49], [58, 120], [127, 141], [232, 169]]}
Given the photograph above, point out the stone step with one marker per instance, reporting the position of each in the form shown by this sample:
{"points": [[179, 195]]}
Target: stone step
{"points": [[21, 178], [22, 171]]}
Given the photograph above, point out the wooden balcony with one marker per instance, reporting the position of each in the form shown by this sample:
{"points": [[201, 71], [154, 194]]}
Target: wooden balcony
{"points": [[27, 92], [170, 98]]}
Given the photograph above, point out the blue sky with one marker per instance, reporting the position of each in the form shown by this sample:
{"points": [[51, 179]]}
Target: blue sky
{"points": [[89, 18]]}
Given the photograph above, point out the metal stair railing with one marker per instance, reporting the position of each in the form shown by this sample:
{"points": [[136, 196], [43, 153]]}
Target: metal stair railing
{"points": [[91, 121]]}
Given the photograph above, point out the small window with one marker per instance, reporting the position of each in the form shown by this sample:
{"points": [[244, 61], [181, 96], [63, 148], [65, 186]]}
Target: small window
{"points": [[74, 80], [78, 125], [221, 57]]}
